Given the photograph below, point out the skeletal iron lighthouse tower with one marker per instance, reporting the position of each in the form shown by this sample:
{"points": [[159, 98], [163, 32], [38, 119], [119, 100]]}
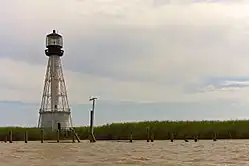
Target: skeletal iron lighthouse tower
{"points": [[54, 112]]}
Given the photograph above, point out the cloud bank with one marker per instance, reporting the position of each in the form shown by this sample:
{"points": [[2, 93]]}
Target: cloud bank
{"points": [[143, 51]]}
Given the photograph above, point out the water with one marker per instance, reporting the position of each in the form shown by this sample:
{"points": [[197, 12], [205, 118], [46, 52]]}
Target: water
{"points": [[112, 153]]}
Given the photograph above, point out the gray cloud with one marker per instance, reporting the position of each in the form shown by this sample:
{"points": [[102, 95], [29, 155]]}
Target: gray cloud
{"points": [[109, 48], [172, 46], [175, 58]]}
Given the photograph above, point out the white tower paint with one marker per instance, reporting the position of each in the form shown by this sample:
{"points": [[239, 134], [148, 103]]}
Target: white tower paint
{"points": [[54, 109]]}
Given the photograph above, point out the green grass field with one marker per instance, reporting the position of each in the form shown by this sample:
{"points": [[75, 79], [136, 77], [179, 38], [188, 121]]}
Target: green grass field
{"points": [[160, 129]]}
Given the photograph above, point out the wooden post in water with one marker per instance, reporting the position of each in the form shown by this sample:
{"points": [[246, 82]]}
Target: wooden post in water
{"points": [[185, 138], [195, 138], [75, 135], [152, 137], [72, 135], [172, 137], [131, 137], [230, 135], [42, 135], [10, 136], [5, 139], [26, 137], [214, 136], [58, 135], [148, 134]]}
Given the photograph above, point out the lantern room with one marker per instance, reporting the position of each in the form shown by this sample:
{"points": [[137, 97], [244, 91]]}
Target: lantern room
{"points": [[54, 39], [54, 44]]}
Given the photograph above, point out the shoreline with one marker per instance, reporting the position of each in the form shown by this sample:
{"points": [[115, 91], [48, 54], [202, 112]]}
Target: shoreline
{"points": [[161, 130]]}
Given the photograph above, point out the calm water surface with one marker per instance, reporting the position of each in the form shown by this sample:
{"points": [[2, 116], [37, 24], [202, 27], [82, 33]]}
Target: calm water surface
{"points": [[110, 153]]}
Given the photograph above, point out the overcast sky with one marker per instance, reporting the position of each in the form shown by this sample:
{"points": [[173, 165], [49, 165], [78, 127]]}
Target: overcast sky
{"points": [[144, 59]]}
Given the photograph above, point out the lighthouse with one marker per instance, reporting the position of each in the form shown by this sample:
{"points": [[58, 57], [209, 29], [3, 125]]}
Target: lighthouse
{"points": [[54, 111]]}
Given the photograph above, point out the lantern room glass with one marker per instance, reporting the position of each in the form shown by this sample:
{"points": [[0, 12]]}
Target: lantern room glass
{"points": [[54, 40]]}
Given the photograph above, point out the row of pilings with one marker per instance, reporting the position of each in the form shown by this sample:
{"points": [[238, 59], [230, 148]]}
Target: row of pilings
{"points": [[71, 134], [150, 137]]}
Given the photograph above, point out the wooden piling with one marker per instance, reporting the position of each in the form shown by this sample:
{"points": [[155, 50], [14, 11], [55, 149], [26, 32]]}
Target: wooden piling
{"points": [[10, 136], [26, 137], [42, 135], [230, 135], [131, 137], [78, 138], [58, 135], [214, 136], [195, 138], [148, 134], [73, 137], [92, 138], [152, 137], [185, 138], [172, 137], [5, 139], [76, 135]]}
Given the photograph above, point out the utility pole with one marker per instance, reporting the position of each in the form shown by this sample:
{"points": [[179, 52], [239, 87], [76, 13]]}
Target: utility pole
{"points": [[92, 137]]}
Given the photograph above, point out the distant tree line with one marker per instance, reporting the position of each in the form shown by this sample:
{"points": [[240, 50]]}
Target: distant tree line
{"points": [[161, 130]]}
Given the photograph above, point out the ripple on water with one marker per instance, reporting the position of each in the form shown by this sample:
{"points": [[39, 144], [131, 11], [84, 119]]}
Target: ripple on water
{"points": [[201, 153]]}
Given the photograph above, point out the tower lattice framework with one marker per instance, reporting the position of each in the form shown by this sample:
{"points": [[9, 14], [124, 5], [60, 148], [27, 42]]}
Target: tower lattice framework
{"points": [[54, 109]]}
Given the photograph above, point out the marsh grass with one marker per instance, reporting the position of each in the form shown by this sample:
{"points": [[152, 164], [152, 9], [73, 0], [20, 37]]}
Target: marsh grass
{"points": [[162, 130]]}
